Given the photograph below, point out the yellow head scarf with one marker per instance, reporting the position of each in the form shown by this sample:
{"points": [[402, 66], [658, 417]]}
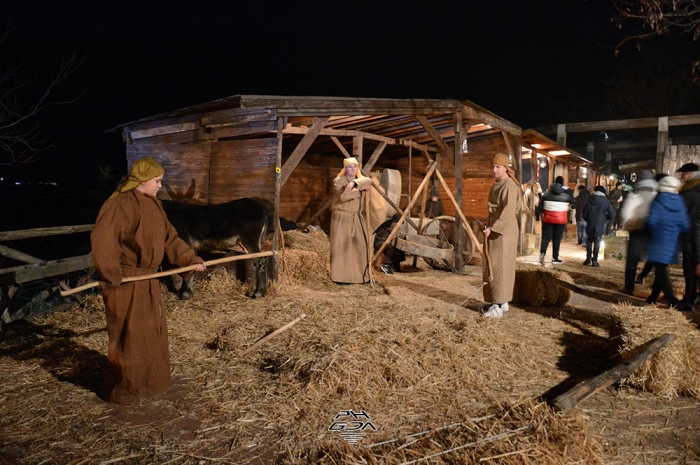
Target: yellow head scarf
{"points": [[504, 160], [351, 161], [141, 171]]}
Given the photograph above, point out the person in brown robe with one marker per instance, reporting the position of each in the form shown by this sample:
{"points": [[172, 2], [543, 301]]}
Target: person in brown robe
{"points": [[131, 236], [501, 236], [349, 253]]}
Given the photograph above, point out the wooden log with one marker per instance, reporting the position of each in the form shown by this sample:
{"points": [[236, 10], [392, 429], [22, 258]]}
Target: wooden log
{"points": [[273, 334], [161, 274], [42, 232], [582, 391], [19, 256], [596, 293], [27, 273]]}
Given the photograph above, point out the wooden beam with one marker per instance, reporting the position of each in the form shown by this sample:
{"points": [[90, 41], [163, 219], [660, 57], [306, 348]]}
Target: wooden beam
{"points": [[301, 149], [611, 125], [19, 256], [340, 146], [442, 146], [42, 232], [243, 130], [357, 149], [162, 130], [28, 273], [582, 391], [475, 113], [374, 157]]}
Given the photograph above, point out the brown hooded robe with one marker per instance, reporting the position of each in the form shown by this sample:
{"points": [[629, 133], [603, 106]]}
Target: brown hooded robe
{"points": [[131, 236]]}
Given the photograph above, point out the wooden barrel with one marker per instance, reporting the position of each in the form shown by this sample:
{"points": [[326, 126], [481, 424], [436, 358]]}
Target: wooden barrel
{"points": [[391, 182]]}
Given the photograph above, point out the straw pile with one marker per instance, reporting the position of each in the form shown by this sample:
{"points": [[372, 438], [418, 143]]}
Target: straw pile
{"points": [[304, 259], [675, 369], [455, 389], [533, 289], [397, 356]]}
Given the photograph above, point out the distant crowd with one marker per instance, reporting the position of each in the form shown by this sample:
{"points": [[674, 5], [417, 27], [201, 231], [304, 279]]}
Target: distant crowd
{"points": [[661, 214]]}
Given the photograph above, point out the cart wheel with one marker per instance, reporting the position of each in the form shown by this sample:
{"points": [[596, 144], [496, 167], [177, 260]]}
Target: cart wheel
{"points": [[446, 232]]}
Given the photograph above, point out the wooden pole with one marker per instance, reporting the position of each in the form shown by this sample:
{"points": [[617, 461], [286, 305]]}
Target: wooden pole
{"points": [[162, 274], [571, 398], [419, 229], [273, 334], [405, 213], [458, 209], [599, 294]]}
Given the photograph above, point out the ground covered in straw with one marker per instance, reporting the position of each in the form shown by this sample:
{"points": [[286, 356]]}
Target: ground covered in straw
{"points": [[431, 380]]}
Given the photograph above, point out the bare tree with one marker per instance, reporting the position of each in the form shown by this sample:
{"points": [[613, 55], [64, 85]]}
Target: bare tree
{"points": [[22, 100], [657, 17]]}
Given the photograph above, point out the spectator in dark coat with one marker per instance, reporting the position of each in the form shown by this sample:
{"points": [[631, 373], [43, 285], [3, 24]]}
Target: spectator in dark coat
{"points": [[554, 212], [581, 200], [633, 218], [668, 219], [615, 199], [596, 212], [690, 191]]}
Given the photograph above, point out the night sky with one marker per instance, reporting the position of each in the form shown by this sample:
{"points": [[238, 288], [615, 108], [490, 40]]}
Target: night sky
{"points": [[533, 63]]}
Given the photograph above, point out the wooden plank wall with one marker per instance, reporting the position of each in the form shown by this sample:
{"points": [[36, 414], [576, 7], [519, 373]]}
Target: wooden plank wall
{"points": [[242, 168], [186, 166], [308, 186]]}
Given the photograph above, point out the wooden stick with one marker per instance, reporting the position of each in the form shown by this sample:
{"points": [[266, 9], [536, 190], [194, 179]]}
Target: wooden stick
{"points": [[161, 274], [571, 398], [419, 229], [405, 213], [458, 209], [274, 333]]}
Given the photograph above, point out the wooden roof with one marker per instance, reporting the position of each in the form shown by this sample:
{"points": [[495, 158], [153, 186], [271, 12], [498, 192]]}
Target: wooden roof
{"points": [[539, 143], [394, 121]]}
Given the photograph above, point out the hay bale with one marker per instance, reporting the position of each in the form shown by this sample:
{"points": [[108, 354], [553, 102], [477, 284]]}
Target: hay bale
{"points": [[675, 370], [532, 288]]}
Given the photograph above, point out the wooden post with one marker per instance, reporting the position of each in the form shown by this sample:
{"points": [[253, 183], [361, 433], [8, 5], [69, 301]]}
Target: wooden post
{"points": [[661, 142], [459, 247], [278, 188], [573, 397]]}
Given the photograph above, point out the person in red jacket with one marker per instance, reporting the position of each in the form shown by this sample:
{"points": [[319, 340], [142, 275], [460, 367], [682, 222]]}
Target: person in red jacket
{"points": [[554, 211]]}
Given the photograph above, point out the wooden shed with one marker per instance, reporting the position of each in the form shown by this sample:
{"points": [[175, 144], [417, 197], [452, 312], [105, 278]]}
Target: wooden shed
{"points": [[288, 149]]}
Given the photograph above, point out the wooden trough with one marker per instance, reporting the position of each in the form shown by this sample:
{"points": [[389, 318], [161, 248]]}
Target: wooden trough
{"points": [[426, 247]]}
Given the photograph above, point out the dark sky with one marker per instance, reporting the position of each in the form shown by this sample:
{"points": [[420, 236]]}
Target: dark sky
{"points": [[531, 62]]}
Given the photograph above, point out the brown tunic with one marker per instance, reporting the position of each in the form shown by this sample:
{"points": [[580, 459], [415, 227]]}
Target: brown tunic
{"points": [[504, 209], [348, 234], [131, 236]]}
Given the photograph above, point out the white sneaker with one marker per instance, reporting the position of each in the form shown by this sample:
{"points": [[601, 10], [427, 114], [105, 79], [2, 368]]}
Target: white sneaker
{"points": [[541, 259], [494, 311], [504, 307]]}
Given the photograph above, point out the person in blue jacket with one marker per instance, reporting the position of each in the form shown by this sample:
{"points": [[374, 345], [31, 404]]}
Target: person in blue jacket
{"points": [[596, 212], [668, 219]]}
